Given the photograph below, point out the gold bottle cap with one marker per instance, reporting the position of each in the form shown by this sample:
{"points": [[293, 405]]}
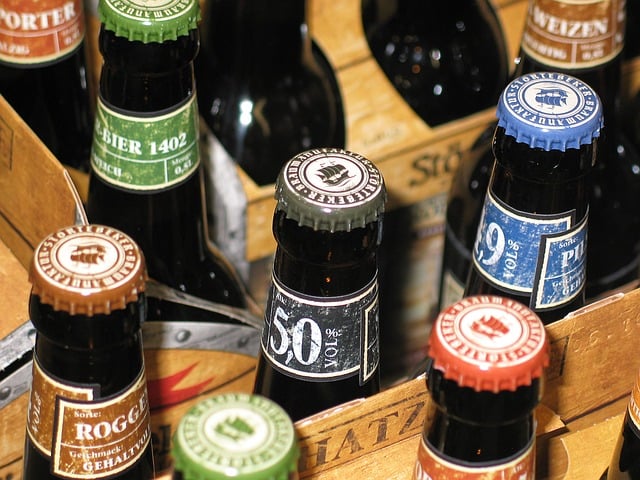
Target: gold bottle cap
{"points": [[87, 270]]}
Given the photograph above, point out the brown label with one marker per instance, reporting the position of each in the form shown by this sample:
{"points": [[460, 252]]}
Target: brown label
{"points": [[634, 403], [572, 34], [40, 414], [88, 439], [40, 31], [97, 440], [429, 466]]}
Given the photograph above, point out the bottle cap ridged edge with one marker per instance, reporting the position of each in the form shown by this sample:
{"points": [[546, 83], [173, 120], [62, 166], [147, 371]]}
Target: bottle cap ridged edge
{"points": [[331, 189], [489, 343], [139, 21], [551, 111], [87, 270], [204, 445]]}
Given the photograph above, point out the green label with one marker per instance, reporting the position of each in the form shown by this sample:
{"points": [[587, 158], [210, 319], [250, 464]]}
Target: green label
{"points": [[145, 153]]}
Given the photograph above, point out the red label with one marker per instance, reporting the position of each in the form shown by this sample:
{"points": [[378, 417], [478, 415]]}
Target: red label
{"points": [[40, 31], [429, 466]]}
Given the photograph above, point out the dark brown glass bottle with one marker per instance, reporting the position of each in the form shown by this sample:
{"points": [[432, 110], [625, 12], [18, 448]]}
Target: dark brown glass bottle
{"points": [[265, 89], [487, 355], [146, 173], [266, 92], [464, 209], [320, 337], [594, 53], [446, 62], [625, 461], [531, 240], [88, 414], [43, 74]]}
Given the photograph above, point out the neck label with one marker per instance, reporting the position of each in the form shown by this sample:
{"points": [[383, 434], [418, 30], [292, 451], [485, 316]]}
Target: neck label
{"points": [[34, 32], [572, 34], [145, 153], [321, 339]]}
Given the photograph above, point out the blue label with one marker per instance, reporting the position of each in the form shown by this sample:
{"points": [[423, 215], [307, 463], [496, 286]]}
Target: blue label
{"points": [[520, 252], [563, 270]]}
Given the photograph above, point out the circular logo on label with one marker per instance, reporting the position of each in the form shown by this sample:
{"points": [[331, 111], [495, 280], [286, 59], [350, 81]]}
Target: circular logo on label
{"points": [[333, 178], [499, 332], [153, 10], [86, 258], [552, 101]]}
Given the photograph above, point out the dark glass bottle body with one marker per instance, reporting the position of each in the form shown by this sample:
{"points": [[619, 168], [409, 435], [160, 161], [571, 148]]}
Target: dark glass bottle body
{"points": [[100, 352], [542, 182], [52, 96], [464, 208], [479, 428], [613, 249], [152, 78], [265, 89], [625, 464], [446, 62], [323, 264]]}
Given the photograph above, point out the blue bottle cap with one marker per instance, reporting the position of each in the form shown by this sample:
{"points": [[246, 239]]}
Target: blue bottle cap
{"points": [[550, 110]]}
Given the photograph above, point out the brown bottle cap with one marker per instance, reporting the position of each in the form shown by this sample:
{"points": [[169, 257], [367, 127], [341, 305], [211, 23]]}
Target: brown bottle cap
{"points": [[87, 270], [489, 343]]}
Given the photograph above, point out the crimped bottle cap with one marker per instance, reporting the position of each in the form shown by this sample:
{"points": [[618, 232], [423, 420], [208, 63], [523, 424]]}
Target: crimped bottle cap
{"points": [[550, 110], [149, 21], [235, 435], [87, 270], [330, 189], [489, 343]]}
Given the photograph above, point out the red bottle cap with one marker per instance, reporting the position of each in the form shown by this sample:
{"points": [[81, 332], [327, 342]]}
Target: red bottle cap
{"points": [[489, 343]]}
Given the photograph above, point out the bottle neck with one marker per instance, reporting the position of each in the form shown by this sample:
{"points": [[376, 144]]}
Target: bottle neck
{"points": [[323, 263], [103, 349], [256, 36], [581, 40], [479, 426]]}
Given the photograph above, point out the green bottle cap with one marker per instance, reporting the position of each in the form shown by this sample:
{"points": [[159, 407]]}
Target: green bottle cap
{"points": [[331, 189], [235, 435], [149, 21]]}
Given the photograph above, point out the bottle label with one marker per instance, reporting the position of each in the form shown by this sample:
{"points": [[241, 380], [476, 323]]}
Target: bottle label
{"points": [[322, 338], [573, 34], [538, 255], [633, 408], [87, 438], [431, 466], [33, 32], [145, 153]]}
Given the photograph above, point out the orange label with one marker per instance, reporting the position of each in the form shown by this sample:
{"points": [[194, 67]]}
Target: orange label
{"points": [[634, 403], [571, 34], [429, 466], [40, 31], [88, 439]]}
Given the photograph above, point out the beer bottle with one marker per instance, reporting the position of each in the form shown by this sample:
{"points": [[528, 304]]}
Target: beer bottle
{"points": [[487, 356], [146, 176], [614, 221], [235, 435], [320, 334], [625, 462], [446, 62], [612, 191], [266, 92], [464, 208], [43, 74], [531, 240], [88, 413], [145, 161]]}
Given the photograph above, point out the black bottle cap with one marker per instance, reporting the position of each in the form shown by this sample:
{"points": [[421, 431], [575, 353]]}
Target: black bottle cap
{"points": [[331, 189]]}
